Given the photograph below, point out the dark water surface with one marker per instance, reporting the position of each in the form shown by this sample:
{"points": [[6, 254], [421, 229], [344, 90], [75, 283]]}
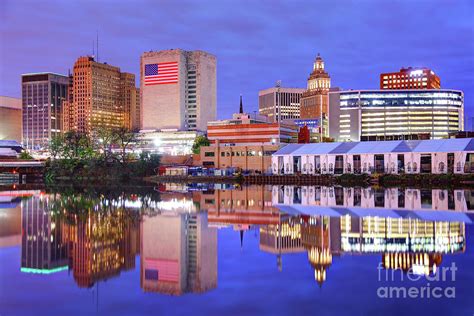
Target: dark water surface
{"points": [[260, 250]]}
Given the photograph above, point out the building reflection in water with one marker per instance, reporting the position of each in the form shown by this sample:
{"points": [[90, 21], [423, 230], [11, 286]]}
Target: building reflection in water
{"points": [[335, 221], [96, 243], [44, 248], [176, 235]]}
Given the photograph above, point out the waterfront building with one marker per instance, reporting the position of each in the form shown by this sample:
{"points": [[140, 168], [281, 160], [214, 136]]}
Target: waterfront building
{"points": [[10, 118], [170, 142], [243, 130], [256, 158], [244, 142], [410, 78], [103, 97], [280, 103], [178, 89], [43, 95], [314, 101], [358, 114], [403, 156]]}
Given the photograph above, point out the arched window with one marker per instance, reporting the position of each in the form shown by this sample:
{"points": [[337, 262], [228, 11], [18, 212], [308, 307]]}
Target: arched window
{"points": [[348, 166], [331, 167], [415, 165], [324, 167], [287, 167], [365, 167], [275, 168], [311, 168], [409, 167], [458, 166], [441, 167]]}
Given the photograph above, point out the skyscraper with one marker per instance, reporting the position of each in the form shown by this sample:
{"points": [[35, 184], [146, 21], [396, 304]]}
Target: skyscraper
{"points": [[280, 103], [43, 95], [410, 78], [178, 89], [314, 102], [103, 97]]}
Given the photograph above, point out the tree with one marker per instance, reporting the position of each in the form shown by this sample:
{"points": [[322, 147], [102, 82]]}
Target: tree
{"points": [[56, 146], [198, 142], [25, 155], [124, 138]]}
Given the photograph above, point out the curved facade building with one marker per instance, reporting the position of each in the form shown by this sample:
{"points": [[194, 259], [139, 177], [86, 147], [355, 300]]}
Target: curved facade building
{"points": [[392, 114]]}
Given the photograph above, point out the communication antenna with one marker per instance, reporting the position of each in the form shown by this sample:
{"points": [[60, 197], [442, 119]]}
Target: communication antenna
{"points": [[278, 85], [97, 46], [93, 48]]}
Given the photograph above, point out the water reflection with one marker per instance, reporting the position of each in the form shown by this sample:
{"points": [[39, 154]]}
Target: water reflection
{"points": [[174, 229]]}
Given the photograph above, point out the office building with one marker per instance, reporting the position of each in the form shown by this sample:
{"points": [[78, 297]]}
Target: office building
{"points": [[10, 118], [280, 103], [242, 130], [131, 101], [410, 78], [358, 114], [244, 142], [314, 102], [401, 156], [103, 97], [43, 95], [178, 90]]}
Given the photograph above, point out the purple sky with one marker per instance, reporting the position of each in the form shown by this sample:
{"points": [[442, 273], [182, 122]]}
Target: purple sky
{"points": [[256, 42]]}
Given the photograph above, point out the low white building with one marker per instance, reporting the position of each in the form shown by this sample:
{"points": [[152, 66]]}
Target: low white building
{"points": [[401, 156]]}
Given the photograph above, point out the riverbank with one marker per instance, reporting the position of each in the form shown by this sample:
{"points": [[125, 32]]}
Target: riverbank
{"points": [[387, 180]]}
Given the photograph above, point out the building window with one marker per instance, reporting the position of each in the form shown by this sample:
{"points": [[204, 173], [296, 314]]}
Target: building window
{"points": [[209, 154], [441, 167]]}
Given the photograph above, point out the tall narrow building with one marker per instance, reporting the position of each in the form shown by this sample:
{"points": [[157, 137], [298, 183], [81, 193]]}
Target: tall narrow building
{"points": [[103, 97], [178, 90], [314, 102], [43, 95]]}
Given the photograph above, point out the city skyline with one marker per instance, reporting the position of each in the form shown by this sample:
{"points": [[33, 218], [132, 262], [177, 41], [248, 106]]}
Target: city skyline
{"points": [[355, 53]]}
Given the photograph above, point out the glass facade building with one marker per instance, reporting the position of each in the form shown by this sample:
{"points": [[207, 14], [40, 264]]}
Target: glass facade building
{"points": [[392, 113], [43, 95]]}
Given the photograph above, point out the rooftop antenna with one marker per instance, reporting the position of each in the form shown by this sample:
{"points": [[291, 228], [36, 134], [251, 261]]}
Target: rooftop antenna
{"points": [[93, 48], [97, 45]]}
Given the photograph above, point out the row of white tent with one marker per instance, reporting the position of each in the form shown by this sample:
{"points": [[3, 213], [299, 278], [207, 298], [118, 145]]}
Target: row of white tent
{"points": [[409, 156]]}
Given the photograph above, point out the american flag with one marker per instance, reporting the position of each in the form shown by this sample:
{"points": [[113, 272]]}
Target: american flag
{"points": [[162, 270], [161, 73]]}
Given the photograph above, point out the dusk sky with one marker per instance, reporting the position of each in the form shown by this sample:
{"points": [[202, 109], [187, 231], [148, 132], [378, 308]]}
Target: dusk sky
{"points": [[256, 42]]}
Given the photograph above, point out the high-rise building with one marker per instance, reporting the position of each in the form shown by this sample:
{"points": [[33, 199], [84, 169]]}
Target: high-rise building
{"points": [[131, 101], [103, 97], [314, 101], [410, 78], [178, 89], [43, 95], [387, 114], [10, 118], [280, 103]]}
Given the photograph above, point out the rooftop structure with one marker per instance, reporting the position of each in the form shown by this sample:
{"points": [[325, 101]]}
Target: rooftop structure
{"points": [[410, 78]]}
